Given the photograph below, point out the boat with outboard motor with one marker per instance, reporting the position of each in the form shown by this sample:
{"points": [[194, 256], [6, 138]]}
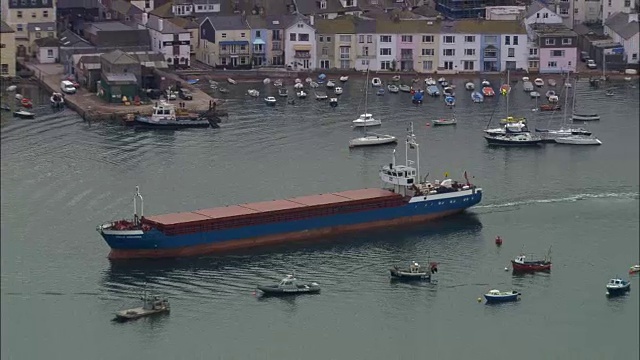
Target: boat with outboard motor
{"points": [[23, 114], [165, 116], [617, 287], [289, 286], [497, 296], [414, 272], [151, 305], [522, 264], [477, 97], [57, 100], [634, 269]]}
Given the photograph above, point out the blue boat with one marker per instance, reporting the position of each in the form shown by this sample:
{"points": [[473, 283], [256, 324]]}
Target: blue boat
{"points": [[477, 97], [450, 100], [418, 97], [497, 296], [193, 81], [380, 92], [617, 287], [407, 198], [432, 90]]}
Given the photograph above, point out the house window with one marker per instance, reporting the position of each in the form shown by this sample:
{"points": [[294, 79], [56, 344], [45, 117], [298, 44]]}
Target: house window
{"points": [[50, 53], [627, 3], [349, 3], [242, 35], [361, 39], [533, 51], [345, 64], [545, 15], [428, 52], [533, 64], [492, 39], [325, 51], [449, 52], [566, 41], [511, 52], [468, 65], [634, 56], [320, 38], [300, 25], [345, 38], [557, 53], [303, 37], [385, 38], [19, 27], [223, 47], [385, 65], [243, 60], [223, 61], [552, 64], [292, 37], [469, 39], [470, 52], [507, 40], [223, 35], [323, 4], [369, 39], [328, 39], [365, 51], [33, 14], [490, 53], [427, 38], [38, 35], [385, 51], [448, 65], [427, 65], [550, 41], [45, 13], [406, 38], [564, 11], [365, 62], [324, 64], [4, 69], [258, 34], [19, 14], [344, 52], [449, 39], [515, 40]]}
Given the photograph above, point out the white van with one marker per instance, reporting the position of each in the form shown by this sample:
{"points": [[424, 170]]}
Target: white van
{"points": [[67, 87]]}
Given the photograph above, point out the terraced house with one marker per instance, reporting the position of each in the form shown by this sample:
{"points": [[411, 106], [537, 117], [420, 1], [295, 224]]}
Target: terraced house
{"points": [[267, 34], [336, 43], [7, 50], [31, 20], [225, 42], [300, 40]]}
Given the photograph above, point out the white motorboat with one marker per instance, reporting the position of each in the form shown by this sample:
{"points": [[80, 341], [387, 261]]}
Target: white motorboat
{"points": [[344, 78], [366, 120], [370, 139], [308, 80], [534, 94], [552, 82], [321, 96], [314, 84], [538, 82], [525, 78], [301, 94], [568, 85], [578, 140], [441, 80], [429, 81], [392, 88], [298, 86], [57, 100], [277, 83], [23, 114], [283, 92], [404, 88], [266, 81], [527, 86], [297, 81], [333, 102], [517, 139], [443, 122], [486, 83], [550, 93], [585, 117], [553, 99], [338, 90], [396, 78], [11, 88], [231, 81], [376, 81], [270, 100], [253, 92], [331, 84], [469, 86]]}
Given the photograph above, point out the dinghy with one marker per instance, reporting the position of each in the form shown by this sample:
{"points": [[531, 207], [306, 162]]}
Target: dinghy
{"points": [[231, 81], [538, 82], [338, 90], [298, 86], [443, 122], [23, 114], [477, 97], [344, 78], [578, 140], [301, 94], [396, 78], [371, 139], [392, 88], [469, 86], [321, 96], [266, 81], [376, 81], [333, 102], [404, 88], [270, 100], [253, 92]]}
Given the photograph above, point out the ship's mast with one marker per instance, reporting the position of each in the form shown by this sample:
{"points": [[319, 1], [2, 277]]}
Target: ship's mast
{"points": [[136, 196], [411, 143]]}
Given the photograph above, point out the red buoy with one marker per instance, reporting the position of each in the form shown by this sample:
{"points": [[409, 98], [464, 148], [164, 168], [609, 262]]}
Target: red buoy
{"points": [[498, 240]]}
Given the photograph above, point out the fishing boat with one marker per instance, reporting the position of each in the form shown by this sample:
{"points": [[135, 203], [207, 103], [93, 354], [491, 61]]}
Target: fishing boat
{"points": [[380, 92], [432, 90], [538, 82], [344, 78], [283, 92], [534, 94], [550, 107], [376, 82], [617, 287], [488, 91], [444, 122], [578, 140], [270, 100], [477, 97], [513, 139], [253, 92], [404, 88], [23, 114], [321, 96], [289, 286], [552, 82], [151, 305], [485, 83], [469, 85], [414, 272], [450, 100], [164, 116], [393, 89], [527, 86], [331, 84], [521, 264], [57, 100], [333, 102], [497, 296], [301, 94], [231, 81], [634, 269], [338, 90]]}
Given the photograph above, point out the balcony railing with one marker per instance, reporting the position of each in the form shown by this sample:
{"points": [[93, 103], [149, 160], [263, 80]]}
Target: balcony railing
{"points": [[302, 55], [234, 52], [345, 56], [363, 56], [258, 51], [406, 57]]}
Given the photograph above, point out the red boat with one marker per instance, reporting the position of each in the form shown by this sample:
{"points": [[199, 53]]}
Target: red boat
{"points": [[549, 107], [505, 89], [488, 91], [26, 103], [521, 264]]}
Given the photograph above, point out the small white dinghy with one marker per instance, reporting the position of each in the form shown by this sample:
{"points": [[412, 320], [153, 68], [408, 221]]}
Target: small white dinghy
{"points": [[366, 120], [308, 80], [301, 94], [331, 84], [444, 122], [23, 114], [337, 90], [393, 89], [578, 140], [270, 100], [469, 86], [525, 78], [298, 86], [333, 102], [344, 78], [266, 81], [277, 83], [551, 82], [553, 99], [396, 78], [371, 139], [231, 81], [11, 88], [538, 82], [321, 96], [585, 117], [253, 92], [534, 94], [314, 84], [376, 81], [297, 81]]}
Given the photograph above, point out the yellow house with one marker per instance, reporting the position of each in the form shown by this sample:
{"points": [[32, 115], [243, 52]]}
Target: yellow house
{"points": [[225, 42], [7, 50], [24, 16], [336, 41]]}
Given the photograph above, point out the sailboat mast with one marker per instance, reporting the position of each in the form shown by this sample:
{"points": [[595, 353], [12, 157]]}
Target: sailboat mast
{"points": [[507, 95], [566, 97], [366, 98]]}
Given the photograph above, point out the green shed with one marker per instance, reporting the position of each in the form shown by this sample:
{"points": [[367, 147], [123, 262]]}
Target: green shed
{"points": [[113, 87]]}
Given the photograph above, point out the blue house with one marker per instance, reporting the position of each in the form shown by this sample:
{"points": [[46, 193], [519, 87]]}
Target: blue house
{"points": [[490, 53], [259, 39]]}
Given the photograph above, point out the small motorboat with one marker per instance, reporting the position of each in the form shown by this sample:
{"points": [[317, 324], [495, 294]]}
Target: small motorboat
{"points": [[289, 286], [27, 103], [441, 80], [568, 85], [634, 269], [266, 81], [497, 296], [11, 88], [366, 120], [23, 114], [57, 100], [298, 86], [616, 287], [393, 89], [314, 84], [609, 93], [525, 78], [331, 84], [151, 305], [444, 84], [301, 94], [338, 90], [552, 82], [477, 97], [415, 272], [321, 78], [527, 86], [253, 92], [344, 78], [321, 96], [444, 122], [418, 97], [223, 90], [585, 117], [448, 91], [270, 100], [550, 93], [534, 94], [505, 89], [371, 139], [333, 102], [578, 140], [550, 107], [380, 92], [488, 91], [193, 81], [486, 83], [538, 82], [404, 88], [450, 100], [429, 81], [231, 81], [6, 107], [376, 82], [283, 92], [297, 81], [432, 90], [308, 80], [277, 83], [396, 78], [521, 264], [553, 99], [19, 96], [469, 86], [513, 139]]}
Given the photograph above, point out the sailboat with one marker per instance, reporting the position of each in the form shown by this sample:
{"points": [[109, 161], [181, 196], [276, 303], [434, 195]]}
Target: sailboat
{"points": [[571, 136], [582, 116], [505, 90], [366, 119]]}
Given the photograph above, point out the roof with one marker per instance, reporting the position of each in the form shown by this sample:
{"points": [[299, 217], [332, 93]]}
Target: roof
{"points": [[477, 26], [121, 78], [184, 23], [407, 27], [265, 8], [47, 42], [534, 8], [118, 57], [163, 11], [70, 39], [267, 206], [90, 59], [108, 26], [339, 25], [427, 11], [85, 4], [5, 28], [127, 36], [271, 22], [168, 27], [228, 22], [44, 26], [365, 26], [620, 24], [150, 59], [125, 7], [312, 7], [552, 29]]}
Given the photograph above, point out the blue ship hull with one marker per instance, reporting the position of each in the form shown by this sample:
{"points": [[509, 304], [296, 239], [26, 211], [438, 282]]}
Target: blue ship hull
{"points": [[154, 243]]}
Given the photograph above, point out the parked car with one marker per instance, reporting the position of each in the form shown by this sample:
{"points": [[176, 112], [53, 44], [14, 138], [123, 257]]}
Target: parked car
{"points": [[154, 94], [584, 56], [591, 64], [185, 94], [170, 95], [67, 87]]}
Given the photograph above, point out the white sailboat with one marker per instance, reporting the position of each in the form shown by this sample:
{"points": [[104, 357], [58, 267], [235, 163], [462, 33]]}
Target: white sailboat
{"points": [[571, 136], [366, 119]]}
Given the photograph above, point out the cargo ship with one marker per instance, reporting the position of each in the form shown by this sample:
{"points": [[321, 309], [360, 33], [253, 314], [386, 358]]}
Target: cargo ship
{"points": [[404, 199]]}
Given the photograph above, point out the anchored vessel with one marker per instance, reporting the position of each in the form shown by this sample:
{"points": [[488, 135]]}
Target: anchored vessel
{"points": [[407, 199]]}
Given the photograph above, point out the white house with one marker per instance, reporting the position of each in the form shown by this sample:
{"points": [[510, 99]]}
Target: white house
{"points": [[328, 9], [300, 44], [366, 48], [538, 13], [386, 54], [514, 51], [623, 28], [610, 7], [169, 39], [459, 52], [144, 5], [195, 8]]}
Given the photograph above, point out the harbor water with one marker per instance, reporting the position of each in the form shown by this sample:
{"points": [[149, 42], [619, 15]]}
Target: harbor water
{"points": [[61, 177]]}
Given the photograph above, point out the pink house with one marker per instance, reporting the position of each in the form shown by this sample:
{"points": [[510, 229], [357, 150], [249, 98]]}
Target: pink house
{"points": [[557, 48], [406, 52]]}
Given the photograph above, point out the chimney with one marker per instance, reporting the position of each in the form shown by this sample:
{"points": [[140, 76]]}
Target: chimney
{"points": [[160, 24], [145, 18], [311, 20]]}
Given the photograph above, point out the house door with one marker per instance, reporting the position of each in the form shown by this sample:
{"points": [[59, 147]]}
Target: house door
{"points": [[234, 61], [305, 64], [21, 51]]}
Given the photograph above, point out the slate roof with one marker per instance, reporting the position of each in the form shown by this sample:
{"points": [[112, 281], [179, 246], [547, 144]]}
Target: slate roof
{"points": [[105, 37], [268, 7], [312, 7], [339, 25], [167, 26], [70, 39], [155, 60], [534, 8], [552, 30], [125, 8], [407, 27], [163, 11], [71, 4], [46, 26], [5, 28], [365, 26], [271, 22], [475, 26], [184, 23], [90, 59], [619, 23], [47, 42], [118, 57], [120, 78], [228, 22]]}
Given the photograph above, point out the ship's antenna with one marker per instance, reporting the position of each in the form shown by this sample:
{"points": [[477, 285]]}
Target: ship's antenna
{"points": [[393, 159]]}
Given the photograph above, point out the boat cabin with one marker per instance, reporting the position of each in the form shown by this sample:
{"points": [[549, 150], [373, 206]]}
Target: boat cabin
{"points": [[494, 292], [366, 117], [398, 175], [414, 268], [520, 259], [163, 111], [288, 282], [616, 282]]}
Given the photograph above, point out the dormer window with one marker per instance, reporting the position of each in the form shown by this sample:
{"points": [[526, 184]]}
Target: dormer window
{"points": [[323, 4]]}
